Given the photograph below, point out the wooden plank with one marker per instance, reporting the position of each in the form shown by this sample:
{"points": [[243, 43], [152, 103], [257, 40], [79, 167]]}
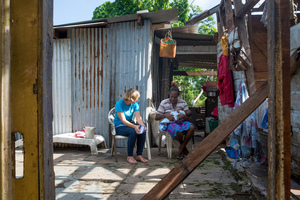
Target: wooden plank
{"points": [[242, 30], [222, 23], [259, 44], [5, 134], [194, 73], [163, 188], [199, 65], [246, 8], [45, 113], [166, 70], [202, 16], [279, 137], [200, 50], [220, 30], [261, 76], [229, 16]]}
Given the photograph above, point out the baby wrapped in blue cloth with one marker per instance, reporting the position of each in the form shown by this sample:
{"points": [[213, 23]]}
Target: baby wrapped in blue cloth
{"points": [[163, 124]]}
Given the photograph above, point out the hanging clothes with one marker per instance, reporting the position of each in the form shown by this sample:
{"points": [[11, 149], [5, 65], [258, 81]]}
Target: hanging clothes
{"points": [[224, 45], [225, 83], [245, 137]]}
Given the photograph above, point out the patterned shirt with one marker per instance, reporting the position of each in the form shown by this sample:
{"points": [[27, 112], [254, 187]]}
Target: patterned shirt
{"points": [[166, 106]]}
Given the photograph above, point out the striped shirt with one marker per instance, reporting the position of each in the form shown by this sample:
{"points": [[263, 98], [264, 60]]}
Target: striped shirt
{"points": [[166, 106]]}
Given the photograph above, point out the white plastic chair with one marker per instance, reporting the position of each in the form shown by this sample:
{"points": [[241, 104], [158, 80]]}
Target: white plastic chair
{"points": [[111, 117], [159, 134], [169, 143]]}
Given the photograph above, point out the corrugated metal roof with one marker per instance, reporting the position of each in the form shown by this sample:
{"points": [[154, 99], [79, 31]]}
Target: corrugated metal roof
{"points": [[156, 17]]}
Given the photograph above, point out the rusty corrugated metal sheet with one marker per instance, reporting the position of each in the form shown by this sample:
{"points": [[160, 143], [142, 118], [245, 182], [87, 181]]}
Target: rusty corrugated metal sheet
{"points": [[105, 62], [61, 84], [90, 82]]}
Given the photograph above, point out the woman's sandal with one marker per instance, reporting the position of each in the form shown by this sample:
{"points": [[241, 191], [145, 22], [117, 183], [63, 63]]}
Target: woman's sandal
{"points": [[141, 159], [131, 160]]}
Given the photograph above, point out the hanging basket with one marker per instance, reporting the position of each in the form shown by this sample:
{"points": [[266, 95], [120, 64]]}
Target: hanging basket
{"points": [[167, 46]]}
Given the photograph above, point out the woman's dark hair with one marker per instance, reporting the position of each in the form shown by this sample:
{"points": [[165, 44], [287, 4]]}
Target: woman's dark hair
{"points": [[174, 87]]}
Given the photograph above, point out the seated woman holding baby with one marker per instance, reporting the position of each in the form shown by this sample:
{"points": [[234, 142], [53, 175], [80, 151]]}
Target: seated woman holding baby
{"points": [[175, 119]]}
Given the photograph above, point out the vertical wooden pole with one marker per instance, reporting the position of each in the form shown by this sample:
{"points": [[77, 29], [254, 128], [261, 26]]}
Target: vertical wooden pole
{"points": [[45, 53], [279, 156], [5, 138], [244, 38], [165, 83], [229, 15], [220, 30]]}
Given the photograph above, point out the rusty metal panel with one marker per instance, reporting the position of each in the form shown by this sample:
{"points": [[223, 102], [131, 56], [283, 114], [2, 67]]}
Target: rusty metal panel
{"points": [[132, 66], [61, 84], [104, 63], [90, 79]]}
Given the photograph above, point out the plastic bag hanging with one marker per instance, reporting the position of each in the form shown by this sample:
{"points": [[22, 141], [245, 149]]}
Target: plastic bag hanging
{"points": [[167, 46]]}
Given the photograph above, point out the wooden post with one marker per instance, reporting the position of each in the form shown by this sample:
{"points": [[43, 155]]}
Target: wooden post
{"points": [[244, 38], [45, 114], [220, 29], [165, 82], [279, 141], [5, 137], [229, 15]]}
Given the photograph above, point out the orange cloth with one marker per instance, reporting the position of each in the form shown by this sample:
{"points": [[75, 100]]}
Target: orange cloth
{"points": [[224, 45]]}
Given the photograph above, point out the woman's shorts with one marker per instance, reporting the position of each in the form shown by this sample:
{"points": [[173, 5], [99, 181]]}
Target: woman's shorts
{"points": [[173, 128]]}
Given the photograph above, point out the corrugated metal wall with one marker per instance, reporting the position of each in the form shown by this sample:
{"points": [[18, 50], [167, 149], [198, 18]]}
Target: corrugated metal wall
{"points": [[90, 82], [132, 63], [104, 63], [61, 84]]}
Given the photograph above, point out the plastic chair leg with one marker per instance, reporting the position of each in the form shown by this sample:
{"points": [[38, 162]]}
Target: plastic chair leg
{"points": [[159, 143], [148, 145]]}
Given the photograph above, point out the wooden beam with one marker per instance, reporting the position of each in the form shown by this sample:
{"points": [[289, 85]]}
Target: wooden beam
{"points": [[163, 188], [44, 96], [243, 34], [279, 101], [200, 50], [202, 16], [5, 102], [220, 30], [195, 73], [246, 8], [222, 22], [229, 16], [199, 65]]}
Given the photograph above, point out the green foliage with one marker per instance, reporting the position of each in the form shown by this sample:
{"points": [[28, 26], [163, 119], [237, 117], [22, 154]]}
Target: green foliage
{"points": [[191, 86], [127, 7]]}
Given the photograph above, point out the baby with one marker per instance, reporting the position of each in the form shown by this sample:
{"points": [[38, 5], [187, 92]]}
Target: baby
{"points": [[164, 123]]}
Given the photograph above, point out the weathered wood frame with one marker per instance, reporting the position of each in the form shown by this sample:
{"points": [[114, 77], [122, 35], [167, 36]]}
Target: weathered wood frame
{"points": [[26, 49], [279, 138]]}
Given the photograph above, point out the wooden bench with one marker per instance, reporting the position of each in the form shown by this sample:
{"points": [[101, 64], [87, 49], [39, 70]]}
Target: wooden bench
{"points": [[69, 138]]}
